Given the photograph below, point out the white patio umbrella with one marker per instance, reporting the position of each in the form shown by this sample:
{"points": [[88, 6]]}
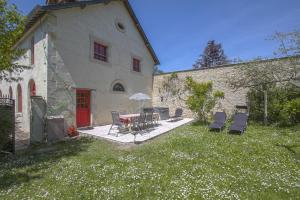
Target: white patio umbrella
{"points": [[141, 98]]}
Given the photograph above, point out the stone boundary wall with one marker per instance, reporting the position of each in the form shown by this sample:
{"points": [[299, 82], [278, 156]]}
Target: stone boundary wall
{"points": [[218, 76]]}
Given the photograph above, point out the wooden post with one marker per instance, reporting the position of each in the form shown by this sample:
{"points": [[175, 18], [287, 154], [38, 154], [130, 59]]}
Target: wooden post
{"points": [[266, 107], [13, 126]]}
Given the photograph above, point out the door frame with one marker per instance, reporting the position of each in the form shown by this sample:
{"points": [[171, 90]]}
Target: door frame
{"points": [[89, 106]]}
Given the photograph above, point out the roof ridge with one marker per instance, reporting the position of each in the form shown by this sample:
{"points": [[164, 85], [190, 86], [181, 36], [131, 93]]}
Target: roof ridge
{"points": [[38, 11]]}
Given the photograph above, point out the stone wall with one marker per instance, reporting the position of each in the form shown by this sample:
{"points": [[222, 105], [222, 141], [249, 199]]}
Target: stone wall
{"points": [[216, 75], [219, 77]]}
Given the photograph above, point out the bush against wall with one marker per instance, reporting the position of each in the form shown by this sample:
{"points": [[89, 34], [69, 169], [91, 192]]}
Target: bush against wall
{"points": [[173, 87], [198, 97], [5, 128], [283, 105], [202, 99]]}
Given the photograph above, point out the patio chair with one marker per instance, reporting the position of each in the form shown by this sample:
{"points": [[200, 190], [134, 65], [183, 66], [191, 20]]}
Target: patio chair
{"points": [[116, 122], [149, 119], [139, 123], [178, 114], [239, 123], [219, 121], [148, 110]]}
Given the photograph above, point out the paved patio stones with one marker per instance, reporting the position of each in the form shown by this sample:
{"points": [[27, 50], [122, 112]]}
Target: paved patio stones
{"points": [[101, 132]]}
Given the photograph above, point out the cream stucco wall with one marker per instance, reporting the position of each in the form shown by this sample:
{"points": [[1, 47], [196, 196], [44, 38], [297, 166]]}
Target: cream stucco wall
{"points": [[71, 65], [37, 72]]}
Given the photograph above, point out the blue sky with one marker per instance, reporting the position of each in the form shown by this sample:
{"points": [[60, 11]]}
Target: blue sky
{"points": [[179, 30]]}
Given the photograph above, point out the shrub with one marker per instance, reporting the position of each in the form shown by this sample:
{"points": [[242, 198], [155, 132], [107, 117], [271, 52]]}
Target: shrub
{"points": [[283, 105], [198, 97], [290, 113], [202, 99], [5, 129]]}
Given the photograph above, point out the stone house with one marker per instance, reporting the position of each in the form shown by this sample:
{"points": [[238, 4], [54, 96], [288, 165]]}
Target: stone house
{"points": [[86, 59]]}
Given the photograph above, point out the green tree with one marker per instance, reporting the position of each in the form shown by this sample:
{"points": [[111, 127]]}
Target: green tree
{"points": [[212, 56], [11, 28], [283, 105], [264, 75], [202, 99]]}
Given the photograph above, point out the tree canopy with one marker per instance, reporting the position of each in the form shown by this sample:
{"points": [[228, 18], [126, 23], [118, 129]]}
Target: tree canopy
{"points": [[202, 99], [264, 75], [212, 56], [289, 43], [11, 28]]}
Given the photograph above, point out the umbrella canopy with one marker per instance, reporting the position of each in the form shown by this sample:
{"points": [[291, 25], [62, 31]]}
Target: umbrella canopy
{"points": [[140, 97]]}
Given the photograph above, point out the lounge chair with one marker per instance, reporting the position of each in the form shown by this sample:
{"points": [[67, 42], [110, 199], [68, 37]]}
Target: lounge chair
{"points": [[240, 121], [219, 121], [178, 114], [116, 122]]}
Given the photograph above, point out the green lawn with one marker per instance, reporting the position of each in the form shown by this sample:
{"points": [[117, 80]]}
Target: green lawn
{"points": [[188, 163]]}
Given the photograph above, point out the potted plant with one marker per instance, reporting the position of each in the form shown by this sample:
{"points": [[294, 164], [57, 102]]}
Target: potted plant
{"points": [[72, 131]]}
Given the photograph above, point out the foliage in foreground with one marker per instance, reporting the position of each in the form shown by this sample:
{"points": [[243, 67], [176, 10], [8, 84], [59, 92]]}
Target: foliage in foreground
{"points": [[5, 128], [188, 163], [11, 28]]}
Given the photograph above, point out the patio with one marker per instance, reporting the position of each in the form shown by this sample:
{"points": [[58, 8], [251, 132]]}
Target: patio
{"points": [[101, 132]]}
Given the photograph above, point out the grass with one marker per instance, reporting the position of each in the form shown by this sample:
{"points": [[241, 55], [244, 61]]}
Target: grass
{"points": [[188, 163]]}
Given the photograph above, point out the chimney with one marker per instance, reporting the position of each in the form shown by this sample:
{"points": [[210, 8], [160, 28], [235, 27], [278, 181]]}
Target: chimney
{"points": [[48, 2]]}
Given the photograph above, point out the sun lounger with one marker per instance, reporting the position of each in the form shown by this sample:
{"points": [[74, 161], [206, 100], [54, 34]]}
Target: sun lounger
{"points": [[219, 121]]}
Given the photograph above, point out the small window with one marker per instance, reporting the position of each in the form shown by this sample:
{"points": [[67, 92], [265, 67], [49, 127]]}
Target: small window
{"points": [[32, 50], [136, 64], [120, 26], [83, 99], [118, 87], [100, 52]]}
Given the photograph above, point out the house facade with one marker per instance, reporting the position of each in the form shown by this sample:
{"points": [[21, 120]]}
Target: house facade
{"points": [[86, 59]]}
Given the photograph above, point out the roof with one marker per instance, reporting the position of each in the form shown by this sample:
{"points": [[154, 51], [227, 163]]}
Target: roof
{"points": [[39, 11]]}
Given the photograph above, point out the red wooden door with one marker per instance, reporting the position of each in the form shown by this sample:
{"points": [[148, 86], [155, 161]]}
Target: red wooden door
{"points": [[83, 108]]}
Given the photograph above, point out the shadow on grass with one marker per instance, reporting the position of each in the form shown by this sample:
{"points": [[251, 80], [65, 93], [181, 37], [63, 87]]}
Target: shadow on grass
{"points": [[199, 123], [28, 166], [292, 149]]}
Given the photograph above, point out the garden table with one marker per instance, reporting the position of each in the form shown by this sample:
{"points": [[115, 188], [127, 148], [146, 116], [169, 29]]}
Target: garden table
{"points": [[127, 119]]}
